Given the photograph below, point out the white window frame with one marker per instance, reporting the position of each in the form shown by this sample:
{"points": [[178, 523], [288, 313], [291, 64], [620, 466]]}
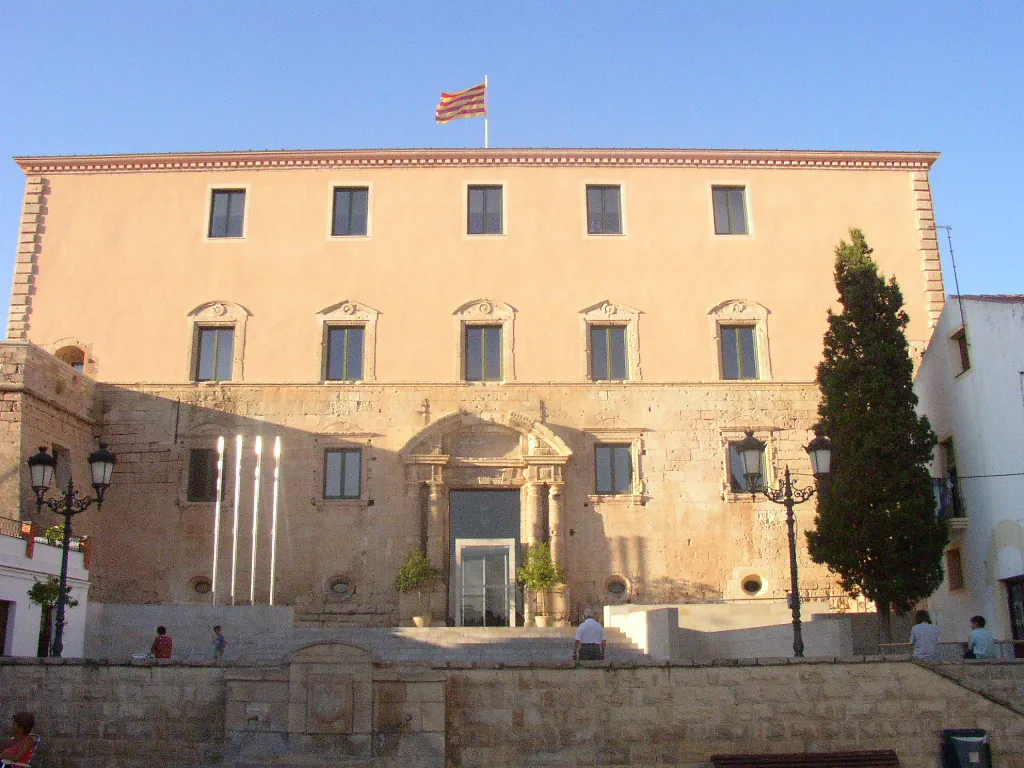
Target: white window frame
{"points": [[621, 184], [331, 237], [210, 189], [351, 314], [609, 312], [741, 312], [504, 210], [748, 209], [218, 314], [486, 312]]}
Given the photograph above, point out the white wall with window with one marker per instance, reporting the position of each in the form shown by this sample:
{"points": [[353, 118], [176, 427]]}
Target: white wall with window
{"points": [[18, 572], [970, 385]]}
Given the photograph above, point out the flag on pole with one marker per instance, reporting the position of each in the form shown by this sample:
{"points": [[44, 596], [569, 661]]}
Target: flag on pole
{"points": [[471, 102]]}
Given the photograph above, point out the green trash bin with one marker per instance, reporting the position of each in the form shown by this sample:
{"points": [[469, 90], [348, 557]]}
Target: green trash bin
{"points": [[965, 748]]}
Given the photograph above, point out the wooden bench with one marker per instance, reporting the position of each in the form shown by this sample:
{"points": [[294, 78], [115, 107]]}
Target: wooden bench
{"points": [[882, 758]]}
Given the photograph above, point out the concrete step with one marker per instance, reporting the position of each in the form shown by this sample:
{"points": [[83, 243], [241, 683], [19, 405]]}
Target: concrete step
{"points": [[429, 645]]}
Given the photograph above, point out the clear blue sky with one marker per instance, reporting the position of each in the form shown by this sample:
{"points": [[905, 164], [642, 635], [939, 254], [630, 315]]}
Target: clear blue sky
{"points": [[111, 77]]}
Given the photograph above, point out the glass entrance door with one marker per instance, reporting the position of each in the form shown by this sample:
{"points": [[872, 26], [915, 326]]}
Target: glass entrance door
{"points": [[486, 583]]}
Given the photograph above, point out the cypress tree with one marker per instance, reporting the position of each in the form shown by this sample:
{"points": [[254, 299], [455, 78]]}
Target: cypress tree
{"points": [[876, 525]]}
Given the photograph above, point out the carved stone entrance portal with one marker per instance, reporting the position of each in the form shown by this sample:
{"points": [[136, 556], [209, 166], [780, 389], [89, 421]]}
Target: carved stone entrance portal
{"points": [[464, 451]]}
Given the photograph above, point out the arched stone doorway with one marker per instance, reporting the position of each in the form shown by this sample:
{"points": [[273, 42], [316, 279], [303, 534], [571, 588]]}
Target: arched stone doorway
{"points": [[477, 490]]}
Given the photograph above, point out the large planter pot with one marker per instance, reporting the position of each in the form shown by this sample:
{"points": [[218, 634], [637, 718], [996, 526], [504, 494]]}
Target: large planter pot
{"points": [[421, 621], [542, 621]]}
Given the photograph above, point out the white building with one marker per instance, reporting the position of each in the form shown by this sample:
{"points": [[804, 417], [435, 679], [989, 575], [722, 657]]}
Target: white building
{"points": [[971, 387], [24, 561]]}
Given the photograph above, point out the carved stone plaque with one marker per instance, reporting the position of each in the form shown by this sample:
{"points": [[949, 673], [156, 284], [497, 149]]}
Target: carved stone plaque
{"points": [[329, 703]]}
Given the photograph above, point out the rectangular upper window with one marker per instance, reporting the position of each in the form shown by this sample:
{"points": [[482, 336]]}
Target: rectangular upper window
{"points": [[202, 474], [351, 211], [608, 352], [604, 209], [484, 214], [482, 353], [730, 206], [344, 353], [613, 466], [342, 473], [227, 213], [962, 352], [739, 352], [214, 355], [738, 482]]}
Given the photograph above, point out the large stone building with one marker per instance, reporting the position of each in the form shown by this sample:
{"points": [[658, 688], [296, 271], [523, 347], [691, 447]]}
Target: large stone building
{"points": [[465, 350]]}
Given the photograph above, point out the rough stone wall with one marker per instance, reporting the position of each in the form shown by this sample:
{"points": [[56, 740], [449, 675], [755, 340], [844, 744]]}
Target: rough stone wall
{"points": [[682, 715], [99, 716], [44, 402], [681, 537], [114, 716]]}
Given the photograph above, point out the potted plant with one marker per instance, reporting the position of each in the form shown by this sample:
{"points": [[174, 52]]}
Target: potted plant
{"points": [[540, 574], [416, 573]]}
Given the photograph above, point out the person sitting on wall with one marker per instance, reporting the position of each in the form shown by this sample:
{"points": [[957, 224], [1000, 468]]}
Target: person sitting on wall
{"points": [[22, 745], [925, 637], [980, 643], [163, 645], [590, 639]]}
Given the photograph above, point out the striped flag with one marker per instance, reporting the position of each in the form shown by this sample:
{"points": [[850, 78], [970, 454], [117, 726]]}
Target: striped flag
{"points": [[471, 102]]}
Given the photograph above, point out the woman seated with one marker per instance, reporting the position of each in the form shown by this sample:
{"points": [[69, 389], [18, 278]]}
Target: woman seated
{"points": [[22, 745]]}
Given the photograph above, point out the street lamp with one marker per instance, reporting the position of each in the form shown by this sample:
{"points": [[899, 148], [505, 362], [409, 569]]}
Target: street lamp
{"points": [[751, 451], [68, 504]]}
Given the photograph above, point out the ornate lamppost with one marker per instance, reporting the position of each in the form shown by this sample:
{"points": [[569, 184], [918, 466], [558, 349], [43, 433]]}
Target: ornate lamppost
{"points": [[751, 451], [68, 504]]}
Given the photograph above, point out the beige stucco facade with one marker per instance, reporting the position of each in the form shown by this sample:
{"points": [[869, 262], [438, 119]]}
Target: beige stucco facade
{"points": [[115, 258]]}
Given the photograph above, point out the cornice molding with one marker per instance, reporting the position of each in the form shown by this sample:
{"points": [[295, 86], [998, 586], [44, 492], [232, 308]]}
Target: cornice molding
{"points": [[420, 158]]}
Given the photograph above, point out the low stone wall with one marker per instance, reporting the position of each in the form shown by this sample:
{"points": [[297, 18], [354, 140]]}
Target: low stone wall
{"points": [[110, 716], [681, 715], [505, 716]]}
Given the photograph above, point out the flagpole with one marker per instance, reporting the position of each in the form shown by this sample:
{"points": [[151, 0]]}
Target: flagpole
{"points": [[485, 112]]}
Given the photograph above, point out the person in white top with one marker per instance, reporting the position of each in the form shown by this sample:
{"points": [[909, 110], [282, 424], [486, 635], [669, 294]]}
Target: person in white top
{"points": [[925, 637], [590, 640]]}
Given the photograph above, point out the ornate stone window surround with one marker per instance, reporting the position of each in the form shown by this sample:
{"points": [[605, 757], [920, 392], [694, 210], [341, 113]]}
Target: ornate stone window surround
{"points": [[735, 435], [208, 209], [623, 219], [331, 237], [634, 437], [352, 314], [741, 312], [607, 312], [486, 312], [503, 183], [349, 441], [748, 203], [223, 314]]}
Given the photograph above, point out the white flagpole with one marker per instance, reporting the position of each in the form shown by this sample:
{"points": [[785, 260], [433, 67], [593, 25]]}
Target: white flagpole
{"points": [[216, 518], [273, 535], [255, 519], [486, 112], [234, 529]]}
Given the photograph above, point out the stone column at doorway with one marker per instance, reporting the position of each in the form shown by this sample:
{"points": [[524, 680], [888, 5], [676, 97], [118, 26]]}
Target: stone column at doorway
{"points": [[557, 531], [533, 519]]}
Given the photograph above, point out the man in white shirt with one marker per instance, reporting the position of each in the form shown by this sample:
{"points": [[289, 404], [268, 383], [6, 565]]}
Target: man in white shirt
{"points": [[590, 640], [925, 637]]}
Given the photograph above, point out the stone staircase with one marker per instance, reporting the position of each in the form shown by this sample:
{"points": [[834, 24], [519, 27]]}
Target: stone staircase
{"points": [[433, 645]]}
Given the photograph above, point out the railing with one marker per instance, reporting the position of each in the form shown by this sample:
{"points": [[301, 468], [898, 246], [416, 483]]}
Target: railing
{"points": [[10, 527], [948, 502], [25, 529]]}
